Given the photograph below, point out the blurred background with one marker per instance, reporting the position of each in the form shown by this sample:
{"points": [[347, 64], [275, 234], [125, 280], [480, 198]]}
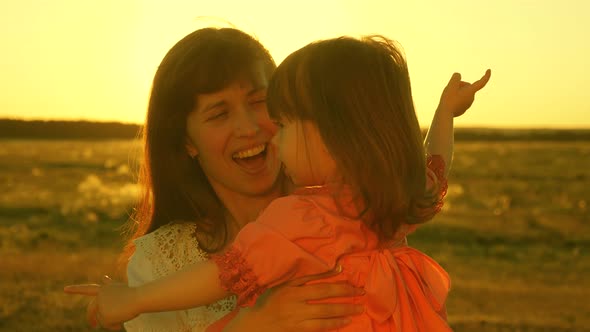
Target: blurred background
{"points": [[75, 79]]}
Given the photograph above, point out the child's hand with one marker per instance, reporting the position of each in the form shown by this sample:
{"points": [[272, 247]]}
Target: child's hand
{"points": [[114, 303], [458, 96]]}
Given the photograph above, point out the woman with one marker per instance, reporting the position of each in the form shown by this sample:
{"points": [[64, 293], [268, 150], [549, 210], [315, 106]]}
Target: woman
{"points": [[208, 171]]}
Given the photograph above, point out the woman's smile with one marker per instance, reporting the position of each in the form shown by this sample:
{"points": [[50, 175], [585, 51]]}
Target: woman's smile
{"points": [[252, 160]]}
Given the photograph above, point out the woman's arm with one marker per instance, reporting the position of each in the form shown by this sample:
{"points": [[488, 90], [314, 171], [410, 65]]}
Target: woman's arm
{"points": [[456, 98], [286, 307]]}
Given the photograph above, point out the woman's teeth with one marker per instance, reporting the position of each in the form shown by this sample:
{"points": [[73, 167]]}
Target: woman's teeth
{"points": [[250, 152]]}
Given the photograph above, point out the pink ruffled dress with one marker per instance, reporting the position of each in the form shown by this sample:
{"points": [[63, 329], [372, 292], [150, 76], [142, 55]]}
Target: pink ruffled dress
{"points": [[303, 234]]}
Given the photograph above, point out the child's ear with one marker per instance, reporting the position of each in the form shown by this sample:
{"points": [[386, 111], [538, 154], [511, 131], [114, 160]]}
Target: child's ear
{"points": [[190, 148]]}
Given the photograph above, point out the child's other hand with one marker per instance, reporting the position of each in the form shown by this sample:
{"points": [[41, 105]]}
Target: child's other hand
{"points": [[112, 305], [458, 95]]}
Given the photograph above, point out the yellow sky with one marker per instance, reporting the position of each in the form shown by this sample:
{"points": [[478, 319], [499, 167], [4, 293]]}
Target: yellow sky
{"points": [[95, 59]]}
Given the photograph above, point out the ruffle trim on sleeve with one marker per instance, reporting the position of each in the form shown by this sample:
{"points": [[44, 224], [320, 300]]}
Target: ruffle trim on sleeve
{"points": [[237, 277], [426, 210], [436, 164]]}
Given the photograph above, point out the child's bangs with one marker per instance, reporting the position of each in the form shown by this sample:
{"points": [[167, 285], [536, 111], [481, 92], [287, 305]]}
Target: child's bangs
{"points": [[286, 95]]}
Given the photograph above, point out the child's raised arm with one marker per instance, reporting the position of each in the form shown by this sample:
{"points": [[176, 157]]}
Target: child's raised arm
{"points": [[456, 98], [195, 286]]}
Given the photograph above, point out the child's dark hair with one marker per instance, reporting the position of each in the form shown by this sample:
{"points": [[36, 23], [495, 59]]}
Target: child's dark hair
{"points": [[358, 94]]}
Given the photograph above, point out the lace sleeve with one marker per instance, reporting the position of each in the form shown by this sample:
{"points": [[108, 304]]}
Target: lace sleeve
{"points": [[160, 253]]}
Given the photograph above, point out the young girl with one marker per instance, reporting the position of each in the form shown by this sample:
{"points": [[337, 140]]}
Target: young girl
{"points": [[350, 140]]}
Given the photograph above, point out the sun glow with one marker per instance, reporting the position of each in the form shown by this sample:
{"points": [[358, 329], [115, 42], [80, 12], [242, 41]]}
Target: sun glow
{"points": [[95, 60]]}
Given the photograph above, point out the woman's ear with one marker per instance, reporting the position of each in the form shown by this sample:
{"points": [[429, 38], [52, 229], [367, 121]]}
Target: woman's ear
{"points": [[190, 148]]}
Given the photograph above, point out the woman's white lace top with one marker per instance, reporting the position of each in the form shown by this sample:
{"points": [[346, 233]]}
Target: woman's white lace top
{"points": [[162, 252]]}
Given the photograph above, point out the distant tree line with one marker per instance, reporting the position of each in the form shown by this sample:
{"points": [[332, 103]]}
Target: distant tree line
{"points": [[11, 128], [503, 134]]}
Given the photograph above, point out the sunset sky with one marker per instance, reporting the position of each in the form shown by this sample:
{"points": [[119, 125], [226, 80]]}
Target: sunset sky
{"points": [[95, 59]]}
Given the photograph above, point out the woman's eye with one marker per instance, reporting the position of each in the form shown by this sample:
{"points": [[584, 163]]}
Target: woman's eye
{"points": [[278, 123], [219, 115]]}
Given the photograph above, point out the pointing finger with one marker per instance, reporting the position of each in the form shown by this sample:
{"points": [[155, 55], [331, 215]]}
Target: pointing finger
{"points": [[86, 289], [478, 85]]}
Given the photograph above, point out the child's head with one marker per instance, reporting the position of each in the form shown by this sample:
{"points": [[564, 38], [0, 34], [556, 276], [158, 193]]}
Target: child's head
{"points": [[355, 96]]}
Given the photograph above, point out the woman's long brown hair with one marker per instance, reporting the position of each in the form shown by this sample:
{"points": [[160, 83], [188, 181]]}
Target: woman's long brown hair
{"points": [[175, 189]]}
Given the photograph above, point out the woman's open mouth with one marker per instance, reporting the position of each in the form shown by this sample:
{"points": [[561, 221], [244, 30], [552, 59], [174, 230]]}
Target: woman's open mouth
{"points": [[252, 159]]}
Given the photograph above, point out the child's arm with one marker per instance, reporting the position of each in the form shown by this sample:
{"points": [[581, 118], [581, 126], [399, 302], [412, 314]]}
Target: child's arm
{"points": [[456, 98], [195, 286]]}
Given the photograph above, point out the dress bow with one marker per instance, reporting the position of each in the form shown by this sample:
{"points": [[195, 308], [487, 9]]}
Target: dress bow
{"points": [[419, 285]]}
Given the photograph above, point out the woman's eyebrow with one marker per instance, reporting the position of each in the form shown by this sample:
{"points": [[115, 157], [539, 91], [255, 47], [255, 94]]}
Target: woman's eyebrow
{"points": [[213, 106], [209, 107]]}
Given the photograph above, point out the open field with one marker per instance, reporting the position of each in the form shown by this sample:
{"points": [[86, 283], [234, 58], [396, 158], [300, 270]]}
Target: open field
{"points": [[514, 234]]}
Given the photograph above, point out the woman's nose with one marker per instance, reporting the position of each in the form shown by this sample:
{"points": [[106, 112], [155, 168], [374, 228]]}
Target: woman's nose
{"points": [[247, 124]]}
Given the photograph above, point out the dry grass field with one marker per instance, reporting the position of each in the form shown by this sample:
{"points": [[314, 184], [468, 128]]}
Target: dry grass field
{"points": [[514, 233]]}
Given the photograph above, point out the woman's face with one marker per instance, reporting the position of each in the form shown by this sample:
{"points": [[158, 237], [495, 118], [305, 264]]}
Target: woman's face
{"points": [[229, 132]]}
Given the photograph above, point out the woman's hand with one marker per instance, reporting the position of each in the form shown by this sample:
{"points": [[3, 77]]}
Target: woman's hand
{"points": [[286, 307], [458, 95], [111, 305]]}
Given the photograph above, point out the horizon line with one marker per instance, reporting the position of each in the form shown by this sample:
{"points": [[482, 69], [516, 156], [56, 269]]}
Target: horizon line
{"points": [[470, 126]]}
